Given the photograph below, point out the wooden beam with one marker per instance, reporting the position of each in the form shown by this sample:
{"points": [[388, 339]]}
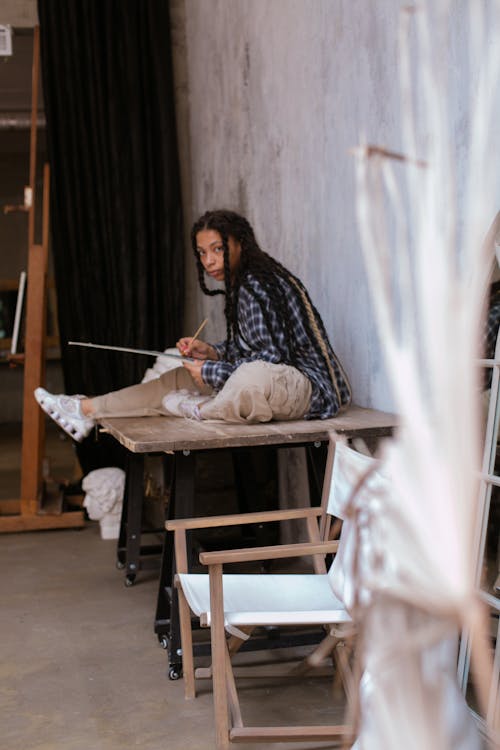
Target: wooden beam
{"points": [[238, 519], [35, 77], [275, 552], [288, 734], [34, 371], [40, 522], [10, 507]]}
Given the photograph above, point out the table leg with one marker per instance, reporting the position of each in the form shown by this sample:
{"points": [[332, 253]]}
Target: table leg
{"points": [[162, 616], [316, 461], [135, 497], [167, 611], [121, 546]]}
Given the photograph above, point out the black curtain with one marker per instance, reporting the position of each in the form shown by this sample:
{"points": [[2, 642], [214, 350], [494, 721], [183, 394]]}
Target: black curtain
{"points": [[116, 224]]}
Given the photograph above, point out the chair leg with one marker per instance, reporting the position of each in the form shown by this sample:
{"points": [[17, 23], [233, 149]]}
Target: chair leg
{"points": [[218, 641], [233, 646], [314, 659], [341, 657], [234, 643], [187, 646], [232, 694]]}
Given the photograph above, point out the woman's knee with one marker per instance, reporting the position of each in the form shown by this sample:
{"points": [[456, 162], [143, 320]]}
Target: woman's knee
{"points": [[261, 391], [251, 376], [290, 393]]}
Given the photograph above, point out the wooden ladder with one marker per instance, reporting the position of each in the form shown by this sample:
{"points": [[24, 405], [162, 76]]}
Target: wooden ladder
{"points": [[31, 511]]}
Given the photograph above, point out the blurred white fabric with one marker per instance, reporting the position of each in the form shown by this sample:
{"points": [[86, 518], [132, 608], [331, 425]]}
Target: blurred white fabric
{"points": [[161, 365], [386, 580]]}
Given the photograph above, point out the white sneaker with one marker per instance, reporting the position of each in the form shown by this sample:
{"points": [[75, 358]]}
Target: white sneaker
{"points": [[184, 403], [66, 411]]}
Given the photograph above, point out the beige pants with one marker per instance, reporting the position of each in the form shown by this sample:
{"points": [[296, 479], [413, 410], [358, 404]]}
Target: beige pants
{"points": [[255, 392]]}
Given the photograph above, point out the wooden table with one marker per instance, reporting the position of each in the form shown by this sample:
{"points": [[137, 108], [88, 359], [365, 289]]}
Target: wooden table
{"points": [[160, 434], [185, 439]]}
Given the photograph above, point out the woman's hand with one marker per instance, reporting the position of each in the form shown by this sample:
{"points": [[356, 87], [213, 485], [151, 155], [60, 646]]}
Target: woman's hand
{"points": [[194, 369], [190, 347]]}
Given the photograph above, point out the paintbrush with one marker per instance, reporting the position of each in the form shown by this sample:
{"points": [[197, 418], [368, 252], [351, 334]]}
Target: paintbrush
{"points": [[197, 333]]}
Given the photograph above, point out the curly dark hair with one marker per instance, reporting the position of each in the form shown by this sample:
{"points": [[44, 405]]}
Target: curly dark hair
{"points": [[267, 271]]}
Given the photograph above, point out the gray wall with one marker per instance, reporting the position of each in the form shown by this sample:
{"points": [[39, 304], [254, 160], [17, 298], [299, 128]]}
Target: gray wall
{"points": [[272, 94]]}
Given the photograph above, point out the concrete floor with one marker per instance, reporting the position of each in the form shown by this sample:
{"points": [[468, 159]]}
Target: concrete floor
{"points": [[80, 666]]}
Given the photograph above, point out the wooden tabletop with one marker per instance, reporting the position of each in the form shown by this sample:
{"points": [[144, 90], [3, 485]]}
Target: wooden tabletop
{"points": [[160, 434]]}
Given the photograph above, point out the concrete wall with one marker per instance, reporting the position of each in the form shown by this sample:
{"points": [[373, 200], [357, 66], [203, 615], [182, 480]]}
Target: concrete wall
{"points": [[272, 95], [18, 12]]}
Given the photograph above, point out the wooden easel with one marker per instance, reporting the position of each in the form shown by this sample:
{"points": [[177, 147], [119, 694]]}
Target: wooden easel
{"points": [[30, 512]]}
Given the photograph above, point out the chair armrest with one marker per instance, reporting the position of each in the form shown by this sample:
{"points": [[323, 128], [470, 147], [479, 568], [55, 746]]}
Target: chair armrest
{"points": [[275, 552], [238, 519]]}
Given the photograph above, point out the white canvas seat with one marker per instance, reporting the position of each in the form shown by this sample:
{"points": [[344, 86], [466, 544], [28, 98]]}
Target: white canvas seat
{"points": [[266, 600], [237, 603]]}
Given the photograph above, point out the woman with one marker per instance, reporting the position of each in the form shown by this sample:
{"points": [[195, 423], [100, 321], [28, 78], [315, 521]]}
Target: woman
{"points": [[275, 363]]}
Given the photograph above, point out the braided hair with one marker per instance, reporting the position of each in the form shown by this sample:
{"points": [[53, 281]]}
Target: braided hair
{"points": [[267, 271]]}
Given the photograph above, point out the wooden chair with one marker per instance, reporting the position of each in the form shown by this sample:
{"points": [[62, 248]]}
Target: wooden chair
{"points": [[238, 603]]}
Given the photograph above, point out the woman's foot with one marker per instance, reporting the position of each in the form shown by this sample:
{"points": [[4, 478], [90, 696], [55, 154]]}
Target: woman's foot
{"points": [[184, 403], [67, 412]]}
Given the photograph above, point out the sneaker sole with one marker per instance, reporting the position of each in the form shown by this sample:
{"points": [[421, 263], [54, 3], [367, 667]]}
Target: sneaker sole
{"points": [[68, 428]]}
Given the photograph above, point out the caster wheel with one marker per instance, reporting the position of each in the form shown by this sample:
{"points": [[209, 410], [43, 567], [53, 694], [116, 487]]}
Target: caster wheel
{"points": [[174, 673], [120, 565], [130, 579], [164, 642]]}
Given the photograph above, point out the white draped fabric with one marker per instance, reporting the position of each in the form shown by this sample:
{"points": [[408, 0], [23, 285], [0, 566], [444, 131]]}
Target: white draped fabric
{"points": [[428, 266]]}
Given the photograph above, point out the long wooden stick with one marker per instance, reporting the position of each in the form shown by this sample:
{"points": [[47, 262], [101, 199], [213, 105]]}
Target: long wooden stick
{"points": [[150, 352]]}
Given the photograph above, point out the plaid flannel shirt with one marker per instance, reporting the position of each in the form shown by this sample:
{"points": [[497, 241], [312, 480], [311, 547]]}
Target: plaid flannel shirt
{"points": [[257, 341]]}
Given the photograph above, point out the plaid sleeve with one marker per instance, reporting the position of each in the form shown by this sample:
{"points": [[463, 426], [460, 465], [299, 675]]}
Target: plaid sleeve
{"points": [[220, 348], [215, 373], [255, 342]]}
